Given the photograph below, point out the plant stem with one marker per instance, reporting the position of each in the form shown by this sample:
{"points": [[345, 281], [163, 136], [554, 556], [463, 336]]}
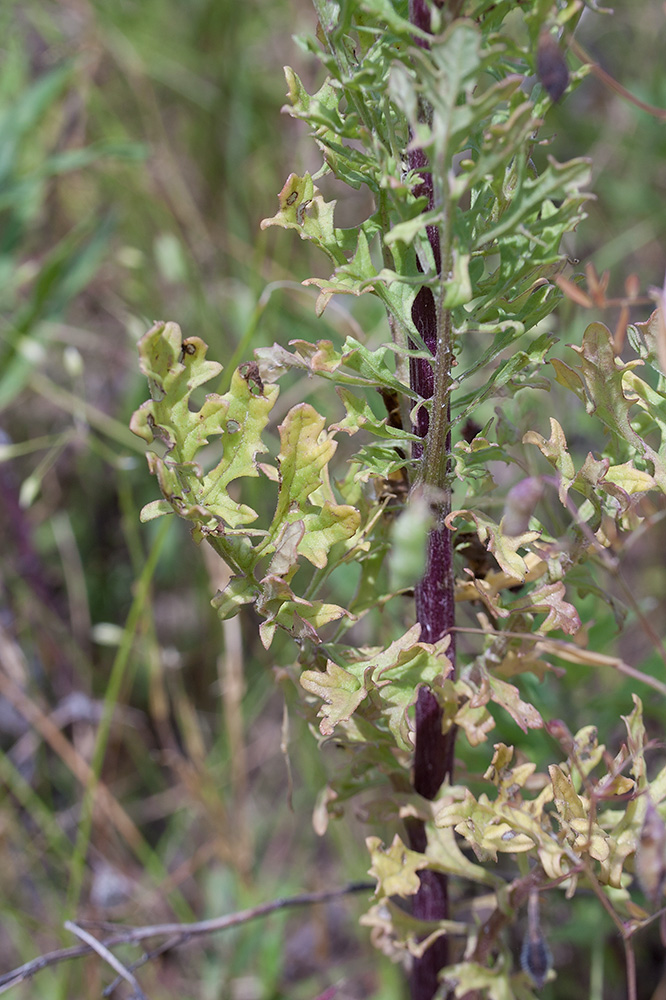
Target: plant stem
{"points": [[435, 607]]}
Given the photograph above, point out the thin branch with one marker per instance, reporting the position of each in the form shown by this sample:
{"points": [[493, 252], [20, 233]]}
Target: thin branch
{"points": [[108, 956], [177, 932], [613, 84], [517, 895], [572, 653], [148, 956], [23, 972], [630, 960]]}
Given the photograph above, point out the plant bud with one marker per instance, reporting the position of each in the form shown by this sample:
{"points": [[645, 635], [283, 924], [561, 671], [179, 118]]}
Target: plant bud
{"points": [[651, 854], [551, 67], [409, 538], [535, 957], [519, 506]]}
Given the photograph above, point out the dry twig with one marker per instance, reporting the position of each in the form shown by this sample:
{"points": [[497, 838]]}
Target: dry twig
{"points": [[176, 933]]}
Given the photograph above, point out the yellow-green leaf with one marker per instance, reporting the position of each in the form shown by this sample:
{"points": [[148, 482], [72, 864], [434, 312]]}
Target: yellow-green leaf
{"points": [[395, 867]]}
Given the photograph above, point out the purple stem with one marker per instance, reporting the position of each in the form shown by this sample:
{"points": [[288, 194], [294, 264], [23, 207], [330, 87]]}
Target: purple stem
{"points": [[435, 611]]}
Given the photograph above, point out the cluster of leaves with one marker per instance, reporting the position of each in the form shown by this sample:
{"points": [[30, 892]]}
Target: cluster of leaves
{"points": [[501, 223]]}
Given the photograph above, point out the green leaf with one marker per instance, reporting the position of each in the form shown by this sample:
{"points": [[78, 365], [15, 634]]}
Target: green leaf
{"points": [[155, 509], [629, 479], [361, 417], [333, 523], [506, 778], [503, 547], [320, 108], [303, 208], [305, 451], [451, 68], [300, 618], [508, 696], [391, 925], [175, 368], [508, 372], [391, 678], [446, 856], [386, 13], [556, 181], [354, 278], [397, 680], [353, 365], [473, 717], [372, 367], [472, 459], [556, 450], [490, 827], [459, 287], [341, 692], [407, 231], [647, 339], [395, 868], [239, 591], [497, 983], [549, 597], [599, 380], [636, 740]]}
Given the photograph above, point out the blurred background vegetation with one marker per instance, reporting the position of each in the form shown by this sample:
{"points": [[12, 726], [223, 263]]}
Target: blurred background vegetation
{"points": [[140, 146]]}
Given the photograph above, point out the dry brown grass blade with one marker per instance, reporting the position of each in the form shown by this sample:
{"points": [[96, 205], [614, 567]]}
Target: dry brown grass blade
{"points": [[10, 667]]}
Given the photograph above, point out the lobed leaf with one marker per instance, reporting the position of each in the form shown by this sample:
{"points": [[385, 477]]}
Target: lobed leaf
{"points": [[503, 547], [389, 678], [497, 983], [341, 691], [395, 868], [282, 608], [599, 380], [175, 367]]}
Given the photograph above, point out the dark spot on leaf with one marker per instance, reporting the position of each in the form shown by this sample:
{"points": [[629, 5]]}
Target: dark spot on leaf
{"points": [[189, 347], [551, 67], [250, 372]]}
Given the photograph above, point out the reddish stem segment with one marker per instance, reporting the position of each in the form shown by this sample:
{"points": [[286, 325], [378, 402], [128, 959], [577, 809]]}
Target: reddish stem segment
{"points": [[435, 611]]}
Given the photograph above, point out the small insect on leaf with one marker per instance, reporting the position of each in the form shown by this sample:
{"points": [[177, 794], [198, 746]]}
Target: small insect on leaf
{"points": [[551, 67]]}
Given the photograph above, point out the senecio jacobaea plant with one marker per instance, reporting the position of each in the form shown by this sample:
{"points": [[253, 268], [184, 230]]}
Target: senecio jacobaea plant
{"points": [[438, 112]]}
